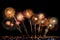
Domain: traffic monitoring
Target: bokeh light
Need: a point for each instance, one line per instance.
(8, 23)
(41, 16)
(34, 19)
(9, 12)
(12, 25)
(53, 20)
(37, 21)
(50, 26)
(17, 23)
(20, 16)
(44, 22)
(28, 13)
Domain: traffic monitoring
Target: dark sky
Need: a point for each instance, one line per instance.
(50, 8)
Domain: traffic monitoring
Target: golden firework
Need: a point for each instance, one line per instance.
(9, 12)
(28, 13)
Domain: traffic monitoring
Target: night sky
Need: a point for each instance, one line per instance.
(49, 8)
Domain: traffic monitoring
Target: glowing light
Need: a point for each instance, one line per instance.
(11, 24)
(53, 20)
(42, 21)
(35, 19)
(50, 26)
(8, 23)
(9, 12)
(17, 23)
(28, 13)
(41, 16)
(20, 17)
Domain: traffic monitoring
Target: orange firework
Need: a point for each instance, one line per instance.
(28, 13)
(20, 17)
(41, 16)
(9, 12)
